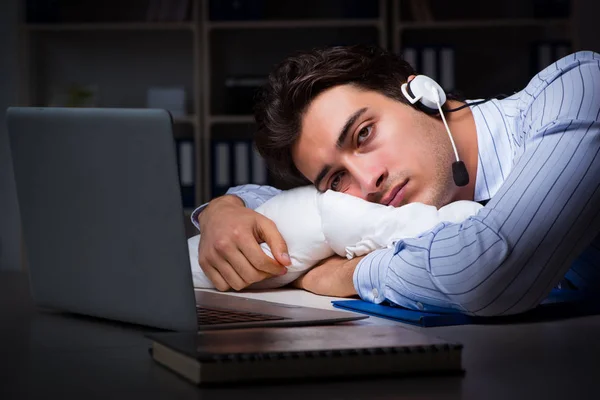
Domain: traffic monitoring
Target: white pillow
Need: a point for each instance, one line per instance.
(354, 227)
(316, 226)
(297, 218)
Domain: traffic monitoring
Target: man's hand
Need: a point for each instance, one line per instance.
(229, 252)
(331, 277)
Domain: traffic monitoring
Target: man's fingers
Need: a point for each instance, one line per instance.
(215, 277)
(230, 275)
(220, 272)
(267, 231)
(256, 256)
(245, 269)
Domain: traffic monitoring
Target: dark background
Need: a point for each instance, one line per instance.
(219, 53)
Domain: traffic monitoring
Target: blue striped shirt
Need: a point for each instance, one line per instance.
(539, 167)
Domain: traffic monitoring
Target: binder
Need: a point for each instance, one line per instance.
(259, 168)
(446, 68)
(220, 168)
(437, 62)
(429, 63)
(186, 171)
(233, 163)
(241, 165)
(410, 56)
(547, 52)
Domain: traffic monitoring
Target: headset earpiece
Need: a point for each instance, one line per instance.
(429, 96)
(421, 92)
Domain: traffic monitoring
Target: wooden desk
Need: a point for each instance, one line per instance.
(49, 355)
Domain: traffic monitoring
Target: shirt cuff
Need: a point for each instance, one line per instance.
(251, 195)
(370, 273)
(198, 210)
(373, 279)
(195, 214)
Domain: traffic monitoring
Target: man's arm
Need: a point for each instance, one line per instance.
(229, 251)
(331, 277)
(508, 257)
(251, 195)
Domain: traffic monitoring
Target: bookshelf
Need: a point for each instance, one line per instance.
(118, 48)
(293, 24)
(117, 26)
(492, 46)
(265, 36)
(219, 53)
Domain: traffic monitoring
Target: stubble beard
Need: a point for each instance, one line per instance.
(442, 189)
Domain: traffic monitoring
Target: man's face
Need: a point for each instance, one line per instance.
(373, 147)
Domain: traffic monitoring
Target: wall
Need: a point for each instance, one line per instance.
(9, 213)
(586, 28)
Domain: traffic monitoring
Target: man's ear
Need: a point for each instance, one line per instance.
(410, 78)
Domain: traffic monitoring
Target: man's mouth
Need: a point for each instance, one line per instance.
(395, 196)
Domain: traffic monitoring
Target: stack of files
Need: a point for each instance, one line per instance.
(235, 162)
(545, 53)
(304, 353)
(437, 62)
(186, 167)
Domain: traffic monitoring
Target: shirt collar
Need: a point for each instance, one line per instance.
(494, 126)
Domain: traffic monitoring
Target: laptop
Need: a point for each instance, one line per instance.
(103, 223)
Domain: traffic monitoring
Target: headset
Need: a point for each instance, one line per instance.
(429, 97)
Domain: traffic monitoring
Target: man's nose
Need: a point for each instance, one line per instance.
(370, 177)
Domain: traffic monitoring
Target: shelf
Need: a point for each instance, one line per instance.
(231, 119)
(312, 23)
(335, 23)
(186, 119)
(116, 26)
(201, 54)
(494, 23)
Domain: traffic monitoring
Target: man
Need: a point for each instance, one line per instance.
(336, 118)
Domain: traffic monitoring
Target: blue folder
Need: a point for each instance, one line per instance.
(560, 304)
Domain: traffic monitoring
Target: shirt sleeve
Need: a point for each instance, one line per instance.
(252, 195)
(508, 257)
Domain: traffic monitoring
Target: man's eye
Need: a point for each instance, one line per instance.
(363, 134)
(335, 182)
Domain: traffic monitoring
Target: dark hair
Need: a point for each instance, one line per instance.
(297, 80)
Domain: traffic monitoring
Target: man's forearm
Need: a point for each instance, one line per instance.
(331, 277)
(251, 195)
(346, 278)
(228, 199)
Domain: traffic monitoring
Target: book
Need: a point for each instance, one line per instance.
(235, 162)
(303, 353)
(437, 62)
(186, 169)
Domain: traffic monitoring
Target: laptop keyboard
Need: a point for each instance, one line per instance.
(210, 316)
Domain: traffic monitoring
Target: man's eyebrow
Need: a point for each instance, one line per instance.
(339, 144)
(320, 177)
(346, 129)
